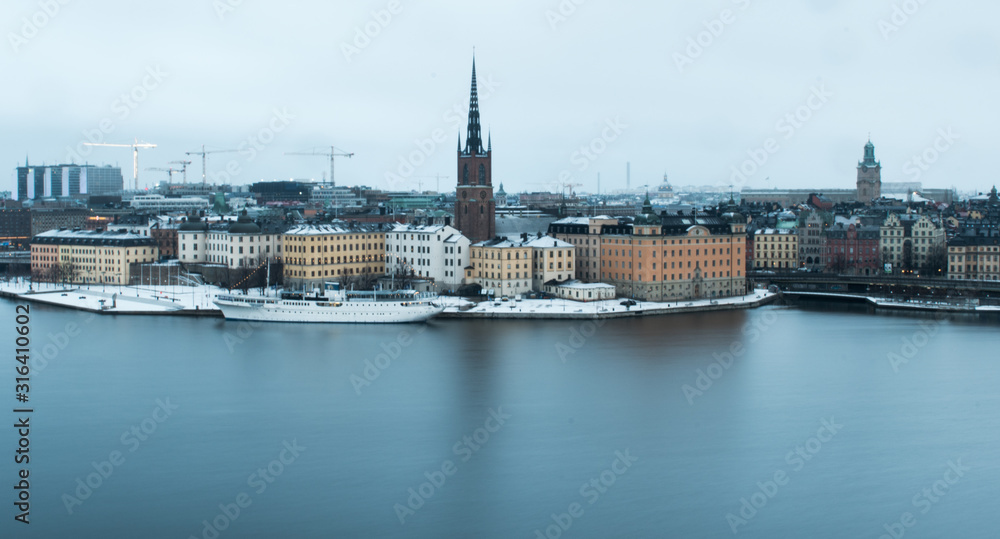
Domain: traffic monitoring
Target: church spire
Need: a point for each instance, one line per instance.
(474, 138)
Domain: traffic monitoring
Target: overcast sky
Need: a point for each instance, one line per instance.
(554, 78)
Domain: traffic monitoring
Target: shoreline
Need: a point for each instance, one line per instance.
(887, 304)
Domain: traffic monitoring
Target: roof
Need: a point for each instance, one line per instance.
(117, 237)
(339, 228)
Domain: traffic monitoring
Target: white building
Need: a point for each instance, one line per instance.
(435, 252)
(581, 291)
(551, 260)
(160, 203)
(242, 245)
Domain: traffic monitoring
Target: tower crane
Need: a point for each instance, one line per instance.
(437, 180)
(136, 146)
(332, 154)
(170, 171)
(184, 169)
(204, 159)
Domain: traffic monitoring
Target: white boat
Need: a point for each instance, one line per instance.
(332, 306)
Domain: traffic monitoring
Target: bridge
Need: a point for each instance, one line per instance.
(878, 285)
(15, 259)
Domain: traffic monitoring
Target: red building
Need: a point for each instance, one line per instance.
(852, 250)
(475, 208)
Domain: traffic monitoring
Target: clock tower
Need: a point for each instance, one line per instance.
(475, 207)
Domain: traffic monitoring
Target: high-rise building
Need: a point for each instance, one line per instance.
(475, 207)
(67, 181)
(869, 176)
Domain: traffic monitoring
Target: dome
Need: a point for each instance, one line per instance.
(193, 224)
(244, 225)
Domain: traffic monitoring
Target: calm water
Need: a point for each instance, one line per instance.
(242, 393)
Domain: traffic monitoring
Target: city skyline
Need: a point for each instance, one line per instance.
(365, 79)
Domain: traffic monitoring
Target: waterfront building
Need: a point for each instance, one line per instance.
(502, 265)
(580, 291)
(165, 234)
(776, 249)
(90, 256)
(242, 244)
(585, 235)
(974, 256)
(869, 176)
(475, 206)
(852, 249)
(67, 181)
(435, 252)
(673, 258)
(314, 254)
(552, 261)
(909, 241)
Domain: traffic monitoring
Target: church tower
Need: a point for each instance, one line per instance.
(869, 176)
(475, 207)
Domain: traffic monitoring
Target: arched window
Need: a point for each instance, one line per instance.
(482, 174)
(465, 175)
(480, 209)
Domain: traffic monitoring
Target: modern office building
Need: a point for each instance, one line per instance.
(67, 181)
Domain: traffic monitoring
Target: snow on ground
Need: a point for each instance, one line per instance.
(555, 306)
(129, 298)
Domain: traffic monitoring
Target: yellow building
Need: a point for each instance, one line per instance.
(503, 266)
(975, 258)
(90, 256)
(775, 249)
(585, 235)
(315, 254)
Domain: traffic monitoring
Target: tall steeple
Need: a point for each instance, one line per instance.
(474, 138)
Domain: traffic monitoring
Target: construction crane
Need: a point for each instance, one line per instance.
(437, 184)
(170, 171)
(204, 159)
(332, 154)
(136, 146)
(571, 186)
(184, 169)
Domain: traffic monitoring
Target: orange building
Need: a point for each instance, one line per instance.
(674, 258)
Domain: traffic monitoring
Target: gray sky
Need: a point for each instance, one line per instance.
(551, 83)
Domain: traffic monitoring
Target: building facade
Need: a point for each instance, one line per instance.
(674, 258)
(974, 257)
(68, 181)
(585, 235)
(852, 250)
(812, 227)
(502, 266)
(90, 256)
(475, 206)
(242, 244)
(314, 254)
(909, 241)
(776, 249)
(435, 252)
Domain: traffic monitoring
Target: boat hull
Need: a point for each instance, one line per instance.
(349, 312)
